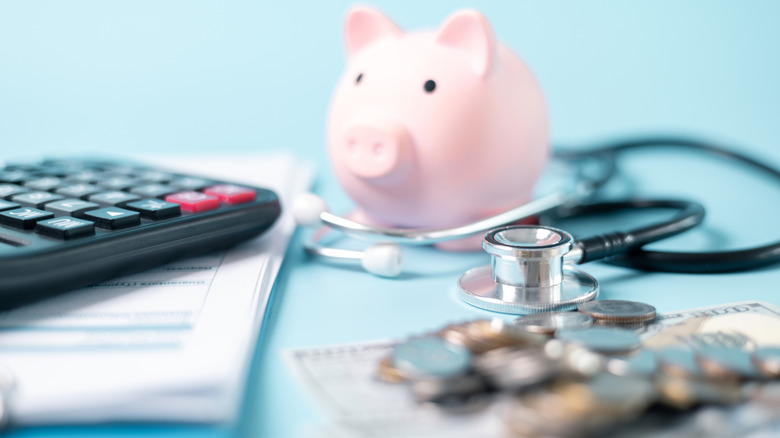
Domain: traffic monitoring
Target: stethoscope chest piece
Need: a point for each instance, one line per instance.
(527, 273)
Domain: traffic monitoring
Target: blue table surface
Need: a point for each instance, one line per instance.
(193, 77)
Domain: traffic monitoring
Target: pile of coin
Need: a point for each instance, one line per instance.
(574, 373)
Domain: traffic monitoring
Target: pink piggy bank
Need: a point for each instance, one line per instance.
(434, 129)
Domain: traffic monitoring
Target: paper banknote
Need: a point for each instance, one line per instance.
(343, 379)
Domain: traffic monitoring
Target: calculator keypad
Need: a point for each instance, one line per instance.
(5, 205)
(113, 218)
(193, 201)
(8, 190)
(155, 209)
(71, 199)
(65, 227)
(24, 218)
(70, 207)
(231, 194)
(114, 198)
(80, 190)
(36, 199)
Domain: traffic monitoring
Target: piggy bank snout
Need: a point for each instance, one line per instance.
(375, 152)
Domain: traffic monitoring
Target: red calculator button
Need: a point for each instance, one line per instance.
(193, 202)
(230, 194)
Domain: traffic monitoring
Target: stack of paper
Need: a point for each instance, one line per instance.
(170, 344)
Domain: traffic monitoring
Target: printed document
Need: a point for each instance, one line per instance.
(169, 344)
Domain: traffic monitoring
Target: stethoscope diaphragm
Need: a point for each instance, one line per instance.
(527, 273)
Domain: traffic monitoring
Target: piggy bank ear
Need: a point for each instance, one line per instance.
(365, 26)
(470, 33)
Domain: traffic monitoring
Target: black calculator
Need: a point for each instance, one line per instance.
(67, 223)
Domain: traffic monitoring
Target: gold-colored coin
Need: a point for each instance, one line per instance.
(726, 363)
(767, 360)
(618, 311)
(460, 335)
(685, 393)
(388, 373)
(679, 361)
(765, 393)
(501, 334)
(482, 336)
(616, 397)
(542, 413)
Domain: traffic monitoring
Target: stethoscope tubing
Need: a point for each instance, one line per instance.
(427, 237)
(619, 248)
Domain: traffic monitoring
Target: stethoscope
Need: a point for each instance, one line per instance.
(531, 267)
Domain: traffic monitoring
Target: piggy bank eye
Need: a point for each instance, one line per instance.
(429, 86)
(359, 78)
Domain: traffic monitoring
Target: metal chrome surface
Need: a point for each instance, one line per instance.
(549, 322)
(527, 256)
(619, 311)
(476, 287)
(431, 356)
(427, 237)
(601, 339)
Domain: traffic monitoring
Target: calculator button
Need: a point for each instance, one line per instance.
(155, 209)
(113, 217)
(116, 183)
(194, 202)
(5, 205)
(190, 183)
(45, 183)
(21, 166)
(9, 190)
(83, 176)
(65, 227)
(36, 199)
(113, 198)
(70, 207)
(15, 176)
(153, 176)
(120, 169)
(78, 190)
(53, 171)
(231, 194)
(153, 190)
(24, 217)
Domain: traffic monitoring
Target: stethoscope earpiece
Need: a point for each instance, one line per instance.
(527, 273)
(383, 259)
(530, 266)
(307, 208)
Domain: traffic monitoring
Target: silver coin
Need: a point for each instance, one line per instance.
(764, 392)
(515, 368)
(549, 322)
(684, 393)
(725, 362)
(4, 415)
(431, 357)
(623, 395)
(578, 360)
(767, 359)
(678, 361)
(623, 325)
(642, 363)
(601, 339)
(442, 390)
(7, 384)
(619, 311)
(542, 413)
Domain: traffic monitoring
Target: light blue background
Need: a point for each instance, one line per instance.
(189, 77)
